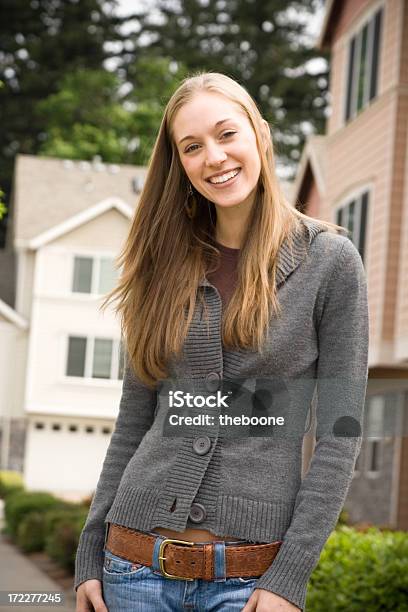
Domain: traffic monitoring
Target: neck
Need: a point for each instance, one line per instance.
(232, 224)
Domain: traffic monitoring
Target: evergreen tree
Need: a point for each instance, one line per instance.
(40, 40)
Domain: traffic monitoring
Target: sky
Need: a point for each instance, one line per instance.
(125, 7)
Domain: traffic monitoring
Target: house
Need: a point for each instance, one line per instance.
(13, 350)
(70, 220)
(356, 175)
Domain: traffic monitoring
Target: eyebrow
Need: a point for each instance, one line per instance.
(215, 126)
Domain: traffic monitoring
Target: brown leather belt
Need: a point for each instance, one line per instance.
(190, 560)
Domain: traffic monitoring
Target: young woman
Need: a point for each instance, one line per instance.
(233, 304)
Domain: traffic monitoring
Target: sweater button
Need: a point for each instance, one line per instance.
(197, 513)
(212, 381)
(202, 445)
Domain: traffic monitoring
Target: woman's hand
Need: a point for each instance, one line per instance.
(265, 601)
(89, 597)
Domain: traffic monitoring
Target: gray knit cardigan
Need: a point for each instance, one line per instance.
(249, 482)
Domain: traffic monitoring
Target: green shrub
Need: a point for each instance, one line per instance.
(343, 518)
(56, 515)
(9, 482)
(37, 526)
(62, 539)
(21, 503)
(31, 532)
(361, 571)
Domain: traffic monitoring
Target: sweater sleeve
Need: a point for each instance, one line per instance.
(136, 413)
(342, 371)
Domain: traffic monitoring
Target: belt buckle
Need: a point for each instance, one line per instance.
(162, 559)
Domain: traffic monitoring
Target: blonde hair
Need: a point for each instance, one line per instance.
(166, 253)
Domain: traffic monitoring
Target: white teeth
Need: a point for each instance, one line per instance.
(224, 177)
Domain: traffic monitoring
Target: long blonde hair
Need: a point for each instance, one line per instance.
(166, 253)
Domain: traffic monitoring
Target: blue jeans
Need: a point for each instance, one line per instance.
(132, 587)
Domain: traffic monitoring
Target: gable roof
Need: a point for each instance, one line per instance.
(49, 192)
(11, 315)
(76, 221)
(313, 156)
(332, 10)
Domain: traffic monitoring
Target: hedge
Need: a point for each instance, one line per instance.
(20, 503)
(9, 482)
(62, 539)
(361, 571)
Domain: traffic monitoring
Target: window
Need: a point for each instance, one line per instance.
(107, 275)
(94, 275)
(94, 358)
(82, 275)
(102, 358)
(353, 216)
(76, 356)
(363, 63)
(374, 431)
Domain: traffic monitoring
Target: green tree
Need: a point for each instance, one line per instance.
(91, 114)
(39, 41)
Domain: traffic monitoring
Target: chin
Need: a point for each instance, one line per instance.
(233, 201)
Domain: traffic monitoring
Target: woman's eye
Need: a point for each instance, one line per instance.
(230, 133)
(190, 148)
(224, 135)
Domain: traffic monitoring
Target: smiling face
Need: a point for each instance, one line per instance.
(218, 149)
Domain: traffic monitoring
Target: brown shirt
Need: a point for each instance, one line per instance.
(225, 277)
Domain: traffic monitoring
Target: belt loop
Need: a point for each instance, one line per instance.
(219, 562)
(155, 560)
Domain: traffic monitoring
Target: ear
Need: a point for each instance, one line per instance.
(266, 134)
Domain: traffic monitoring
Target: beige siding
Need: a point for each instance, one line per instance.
(357, 158)
(107, 231)
(370, 151)
(353, 15)
(401, 331)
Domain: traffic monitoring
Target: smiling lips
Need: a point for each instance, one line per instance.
(224, 178)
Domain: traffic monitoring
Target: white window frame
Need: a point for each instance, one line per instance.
(89, 352)
(356, 32)
(96, 273)
(357, 196)
(369, 446)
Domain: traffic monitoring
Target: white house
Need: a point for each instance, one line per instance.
(70, 222)
(13, 349)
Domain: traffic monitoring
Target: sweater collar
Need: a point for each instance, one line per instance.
(289, 260)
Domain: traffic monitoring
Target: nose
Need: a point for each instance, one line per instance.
(215, 156)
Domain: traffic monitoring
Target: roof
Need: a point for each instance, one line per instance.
(11, 315)
(332, 9)
(314, 156)
(52, 193)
